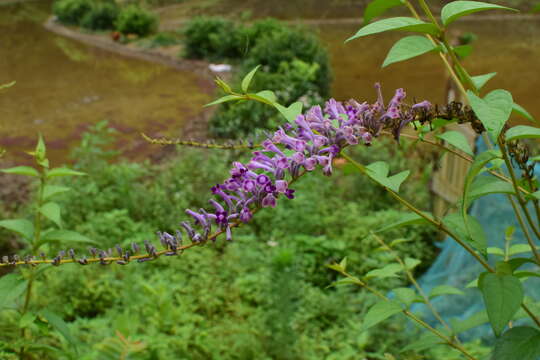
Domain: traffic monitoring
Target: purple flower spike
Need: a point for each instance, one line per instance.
(248, 185)
(289, 193)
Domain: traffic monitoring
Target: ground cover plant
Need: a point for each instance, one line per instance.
(319, 140)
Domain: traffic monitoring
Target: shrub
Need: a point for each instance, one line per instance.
(273, 49)
(135, 20)
(213, 38)
(101, 17)
(71, 12)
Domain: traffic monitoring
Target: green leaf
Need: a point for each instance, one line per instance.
(378, 171)
(224, 99)
(51, 211)
(12, 286)
(26, 320)
(41, 150)
(21, 170)
(290, 113)
(522, 132)
(502, 295)
(268, 96)
(406, 218)
(387, 271)
(522, 112)
(58, 324)
(485, 185)
(536, 195)
(444, 290)
(427, 341)
(378, 7)
(463, 50)
(481, 80)
(396, 24)
(476, 237)
(380, 312)
(411, 263)
(473, 321)
(457, 9)
(521, 342)
(52, 190)
(519, 249)
(22, 227)
(408, 48)
(247, 79)
(58, 172)
(66, 236)
(405, 295)
(477, 166)
(493, 110)
(223, 85)
(458, 140)
(516, 263)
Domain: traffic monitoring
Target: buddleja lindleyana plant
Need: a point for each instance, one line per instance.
(310, 141)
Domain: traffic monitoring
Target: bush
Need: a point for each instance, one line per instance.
(273, 49)
(71, 12)
(213, 38)
(101, 17)
(135, 20)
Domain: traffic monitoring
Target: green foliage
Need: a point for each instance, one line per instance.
(71, 12)
(213, 38)
(102, 16)
(408, 48)
(136, 20)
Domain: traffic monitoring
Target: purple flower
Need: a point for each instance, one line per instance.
(269, 201)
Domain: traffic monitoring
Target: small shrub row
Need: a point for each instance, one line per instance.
(106, 15)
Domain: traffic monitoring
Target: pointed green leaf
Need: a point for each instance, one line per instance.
(535, 195)
(427, 341)
(471, 322)
(411, 263)
(223, 99)
(12, 286)
(58, 172)
(522, 112)
(493, 110)
(380, 312)
(223, 85)
(378, 171)
(268, 96)
(457, 9)
(26, 320)
(476, 237)
(502, 295)
(396, 24)
(66, 236)
(521, 342)
(405, 295)
(51, 211)
(378, 7)
(444, 290)
(458, 140)
(247, 79)
(22, 227)
(481, 80)
(522, 132)
(21, 170)
(389, 270)
(408, 48)
(52, 190)
(59, 325)
(290, 113)
(463, 51)
(516, 263)
(41, 150)
(485, 185)
(406, 218)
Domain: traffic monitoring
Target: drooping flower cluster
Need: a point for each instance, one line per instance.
(312, 141)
